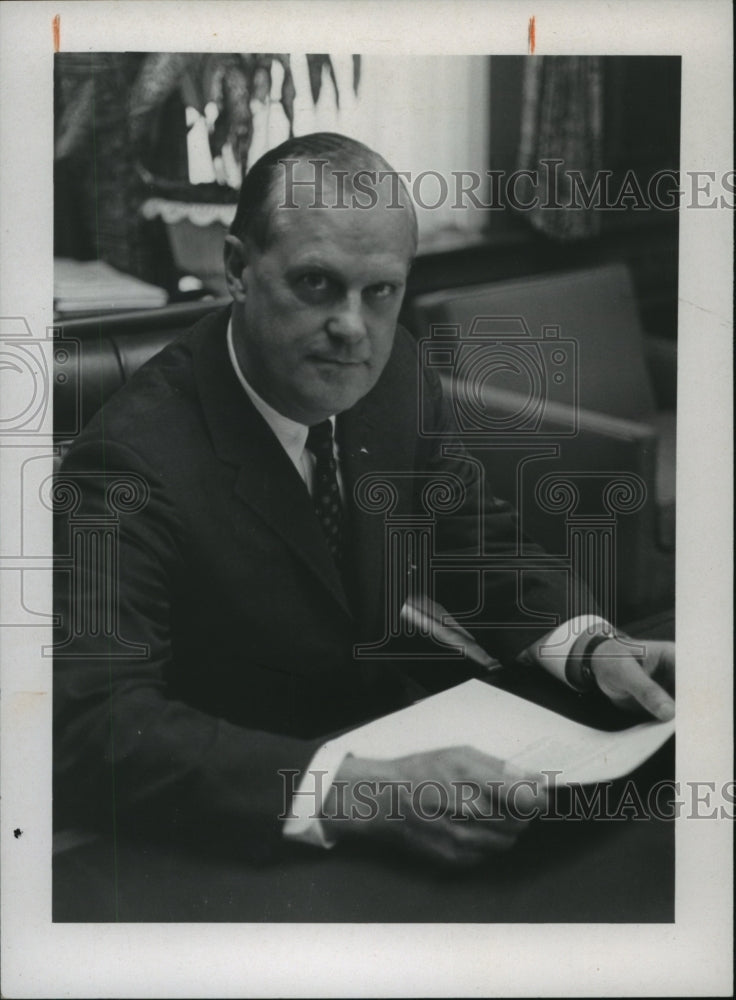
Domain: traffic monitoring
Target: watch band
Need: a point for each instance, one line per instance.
(578, 669)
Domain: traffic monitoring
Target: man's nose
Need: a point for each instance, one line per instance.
(348, 322)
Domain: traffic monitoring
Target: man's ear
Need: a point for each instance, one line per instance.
(235, 264)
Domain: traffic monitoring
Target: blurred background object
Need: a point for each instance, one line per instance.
(165, 137)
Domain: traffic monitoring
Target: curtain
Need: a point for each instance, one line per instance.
(562, 119)
(95, 194)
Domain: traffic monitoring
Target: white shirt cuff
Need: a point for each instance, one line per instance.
(553, 649)
(305, 809)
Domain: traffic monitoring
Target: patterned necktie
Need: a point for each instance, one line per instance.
(326, 492)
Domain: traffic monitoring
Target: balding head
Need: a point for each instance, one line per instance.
(323, 169)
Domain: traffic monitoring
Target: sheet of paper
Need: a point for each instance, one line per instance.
(524, 735)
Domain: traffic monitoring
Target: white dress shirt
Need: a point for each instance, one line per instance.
(291, 436)
(550, 652)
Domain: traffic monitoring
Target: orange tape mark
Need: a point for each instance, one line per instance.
(56, 32)
(532, 34)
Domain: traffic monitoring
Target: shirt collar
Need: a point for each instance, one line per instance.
(291, 435)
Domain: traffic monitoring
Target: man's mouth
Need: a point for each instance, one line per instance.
(338, 362)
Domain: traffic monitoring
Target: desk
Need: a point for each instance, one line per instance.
(563, 870)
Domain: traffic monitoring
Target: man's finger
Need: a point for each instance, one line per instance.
(468, 844)
(633, 681)
(663, 656)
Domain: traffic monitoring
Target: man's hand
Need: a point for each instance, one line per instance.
(649, 685)
(455, 806)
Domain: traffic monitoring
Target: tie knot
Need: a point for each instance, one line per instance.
(319, 438)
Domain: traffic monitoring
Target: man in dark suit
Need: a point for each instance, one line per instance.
(251, 568)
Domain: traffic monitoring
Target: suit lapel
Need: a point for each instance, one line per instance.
(377, 439)
(266, 479)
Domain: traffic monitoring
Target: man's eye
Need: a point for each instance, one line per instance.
(315, 282)
(383, 290)
(315, 286)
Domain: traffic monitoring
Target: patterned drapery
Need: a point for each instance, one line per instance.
(562, 120)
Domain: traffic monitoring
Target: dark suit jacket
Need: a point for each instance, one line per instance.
(225, 583)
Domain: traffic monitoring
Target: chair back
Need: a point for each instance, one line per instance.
(94, 357)
(594, 308)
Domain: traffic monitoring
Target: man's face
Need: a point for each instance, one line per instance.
(320, 304)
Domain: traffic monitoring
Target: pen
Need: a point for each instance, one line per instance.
(429, 620)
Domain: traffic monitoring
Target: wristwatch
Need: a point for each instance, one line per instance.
(578, 668)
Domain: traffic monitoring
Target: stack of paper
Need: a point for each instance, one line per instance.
(93, 286)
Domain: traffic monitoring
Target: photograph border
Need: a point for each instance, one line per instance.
(691, 957)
